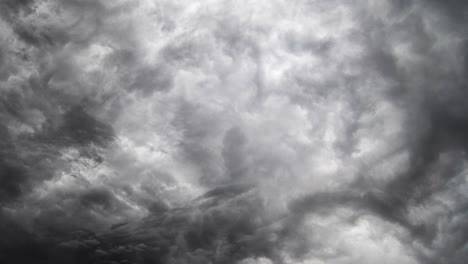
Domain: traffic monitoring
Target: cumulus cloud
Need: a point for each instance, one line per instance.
(157, 131)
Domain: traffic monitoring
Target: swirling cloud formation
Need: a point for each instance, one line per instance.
(244, 132)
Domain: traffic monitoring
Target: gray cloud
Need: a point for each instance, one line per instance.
(233, 132)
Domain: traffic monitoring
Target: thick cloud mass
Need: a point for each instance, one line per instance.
(244, 132)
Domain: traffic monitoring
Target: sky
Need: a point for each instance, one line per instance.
(243, 132)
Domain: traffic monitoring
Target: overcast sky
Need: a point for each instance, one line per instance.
(233, 131)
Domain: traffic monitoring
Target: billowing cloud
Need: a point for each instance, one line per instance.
(241, 132)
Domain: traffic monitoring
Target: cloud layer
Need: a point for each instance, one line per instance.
(157, 131)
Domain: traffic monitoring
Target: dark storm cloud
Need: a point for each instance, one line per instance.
(16, 242)
(12, 172)
(97, 198)
(19, 170)
(78, 127)
(427, 175)
(221, 232)
(250, 133)
(455, 9)
(25, 160)
(443, 131)
(16, 5)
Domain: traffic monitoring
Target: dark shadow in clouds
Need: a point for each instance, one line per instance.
(13, 179)
(14, 6)
(152, 79)
(19, 245)
(26, 160)
(234, 145)
(98, 198)
(225, 231)
(12, 172)
(79, 127)
(455, 9)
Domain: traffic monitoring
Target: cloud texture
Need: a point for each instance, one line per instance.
(246, 132)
